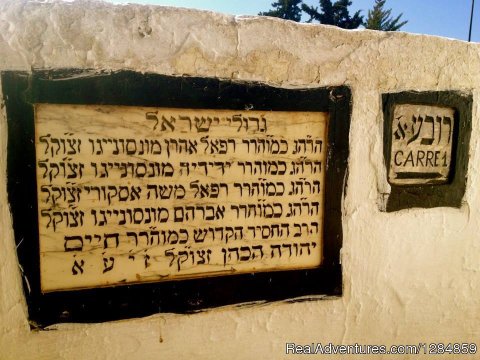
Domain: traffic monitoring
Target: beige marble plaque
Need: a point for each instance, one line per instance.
(421, 150)
(135, 194)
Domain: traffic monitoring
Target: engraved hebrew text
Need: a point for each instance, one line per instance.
(422, 138)
(137, 194)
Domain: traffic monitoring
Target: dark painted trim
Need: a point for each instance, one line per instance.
(432, 195)
(23, 90)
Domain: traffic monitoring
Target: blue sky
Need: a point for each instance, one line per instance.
(449, 18)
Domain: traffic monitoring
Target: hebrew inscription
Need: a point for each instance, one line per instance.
(421, 144)
(132, 194)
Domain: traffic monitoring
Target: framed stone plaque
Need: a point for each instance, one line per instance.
(426, 148)
(133, 193)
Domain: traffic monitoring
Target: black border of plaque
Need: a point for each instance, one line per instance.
(71, 86)
(451, 193)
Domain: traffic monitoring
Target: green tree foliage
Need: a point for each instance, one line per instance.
(285, 9)
(334, 14)
(380, 19)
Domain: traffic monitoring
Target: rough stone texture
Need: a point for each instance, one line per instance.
(410, 276)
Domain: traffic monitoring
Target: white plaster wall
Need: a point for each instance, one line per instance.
(410, 276)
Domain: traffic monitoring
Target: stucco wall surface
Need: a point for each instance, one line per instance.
(409, 276)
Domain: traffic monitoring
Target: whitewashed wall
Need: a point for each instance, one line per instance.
(410, 276)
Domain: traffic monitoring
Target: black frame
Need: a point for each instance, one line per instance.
(449, 194)
(72, 86)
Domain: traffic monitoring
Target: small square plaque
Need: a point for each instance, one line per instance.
(421, 144)
(426, 143)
